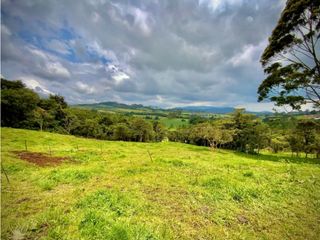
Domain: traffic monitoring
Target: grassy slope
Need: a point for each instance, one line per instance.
(115, 191)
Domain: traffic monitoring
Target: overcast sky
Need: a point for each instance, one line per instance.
(157, 52)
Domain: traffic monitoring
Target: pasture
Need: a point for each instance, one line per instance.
(64, 187)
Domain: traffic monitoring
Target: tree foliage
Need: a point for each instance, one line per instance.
(17, 103)
(291, 60)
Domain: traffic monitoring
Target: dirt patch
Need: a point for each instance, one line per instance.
(41, 159)
(242, 219)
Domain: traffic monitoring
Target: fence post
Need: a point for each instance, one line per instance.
(4, 171)
(150, 156)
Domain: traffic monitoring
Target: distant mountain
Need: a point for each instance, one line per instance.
(195, 109)
(208, 109)
(113, 105)
(217, 110)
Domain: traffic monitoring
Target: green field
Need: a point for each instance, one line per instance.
(173, 123)
(115, 190)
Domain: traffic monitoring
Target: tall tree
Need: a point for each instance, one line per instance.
(17, 104)
(159, 131)
(142, 130)
(291, 60)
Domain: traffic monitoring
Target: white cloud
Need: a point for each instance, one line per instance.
(159, 98)
(120, 76)
(142, 20)
(249, 53)
(249, 19)
(58, 46)
(96, 17)
(37, 53)
(102, 52)
(35, 85)
(269, 106)
(219, 5)
(112, 68)
(5, 30)
(57, 70)
(85, 88)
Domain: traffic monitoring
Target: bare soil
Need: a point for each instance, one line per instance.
(40, 159)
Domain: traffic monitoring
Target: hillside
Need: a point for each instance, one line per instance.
(208, 109)
(90, 189)
(121, 107)
(114, 105)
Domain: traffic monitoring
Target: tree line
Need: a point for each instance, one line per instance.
(23, 108)
(248, 133)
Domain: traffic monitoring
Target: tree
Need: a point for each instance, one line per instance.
(17, 104)
(205, 134)
(209, 134)
(295, 142)
(278, 143)
(257, 137)
(242, 123)
(305, 137)
(308, 131)
(91, 128)
(42, 117)
(159, 130)
(250, 134)
(54, 106)
(70, 122)
(121, 132)
(142, 130)
(290, 60)
(195, 119)
(316, 146)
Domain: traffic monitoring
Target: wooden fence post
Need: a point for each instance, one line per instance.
(49, 149)
(150, 156)
(4, 171)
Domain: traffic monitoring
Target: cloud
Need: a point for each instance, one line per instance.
(249, 54)
(152, 52)
(57, 70)
(84, 88)
(58, 46)
(220, 5)
(120, 76)
(133, 18)
(36, 86)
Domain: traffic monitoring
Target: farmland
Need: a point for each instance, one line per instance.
(94, 189)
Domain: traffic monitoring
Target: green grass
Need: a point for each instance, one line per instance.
(113, 190)
(174, 123)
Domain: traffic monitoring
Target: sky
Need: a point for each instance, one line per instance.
(158, 52)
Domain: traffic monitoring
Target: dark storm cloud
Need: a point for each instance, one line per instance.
(153, 52)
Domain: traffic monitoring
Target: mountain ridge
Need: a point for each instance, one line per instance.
(195, 109)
